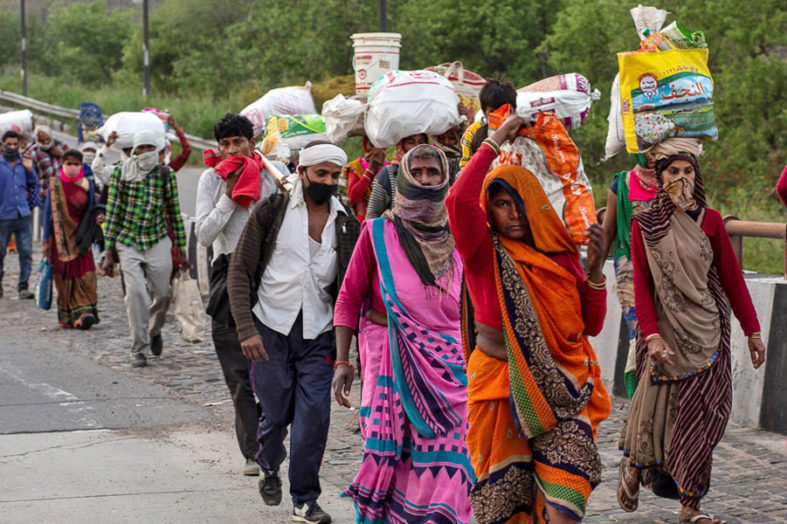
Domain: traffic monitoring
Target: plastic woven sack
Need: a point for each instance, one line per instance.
(343, 117)
(568, 96)
(666, 94)
(127, 123)
(19, 121)
(547, 151)
(616, 137)
(294, 100)
(43, 286)
(468, 85)
(298, 130)
(406, 103)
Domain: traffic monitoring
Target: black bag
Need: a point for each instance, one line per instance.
(218, 300)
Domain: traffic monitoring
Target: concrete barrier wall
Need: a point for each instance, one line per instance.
(759, 396)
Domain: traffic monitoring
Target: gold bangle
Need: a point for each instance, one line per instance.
(494, 145)
(654, 336)
(756, 334)
(597, 285)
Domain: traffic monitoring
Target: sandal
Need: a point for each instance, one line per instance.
(628, 488)
(694, 518)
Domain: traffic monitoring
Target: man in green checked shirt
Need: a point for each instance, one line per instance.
(142, 209)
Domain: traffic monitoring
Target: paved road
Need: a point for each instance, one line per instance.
(83, 434)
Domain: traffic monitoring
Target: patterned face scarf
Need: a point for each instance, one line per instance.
(681, 192)
(656, 221)
(421, 220)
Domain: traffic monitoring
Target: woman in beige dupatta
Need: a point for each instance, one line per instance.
(685, 271)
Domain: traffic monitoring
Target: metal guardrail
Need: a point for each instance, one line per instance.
(738, 229)
(50, 109)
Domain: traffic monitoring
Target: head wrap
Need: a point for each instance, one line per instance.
(138, 166)
(550, 234)
(320, 153)
(147, 137)
(399, 153)
(674, 146)
(46, 130)
(453, 150)
(421, 219)
(655, 222)
(88, 145)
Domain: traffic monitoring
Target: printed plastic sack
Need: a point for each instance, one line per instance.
(406, 103)
(568, 96)
(616, 137)
(666, 94)
(467, 84)
(43, 287)
(19, 121)
(272, 146)
(343, 117)
(547, 151)
(298, 130)
(188, 307)
(295, 100)
(127, 123)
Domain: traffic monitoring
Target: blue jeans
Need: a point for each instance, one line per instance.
(22, 228)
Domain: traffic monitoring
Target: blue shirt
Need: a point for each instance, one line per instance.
(15, 184)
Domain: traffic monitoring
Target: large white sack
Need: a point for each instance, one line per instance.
(19, 121)
(616, 139)
(127, 123)
(295, 100)
(343, 116)
(567, 96)
(406, 103)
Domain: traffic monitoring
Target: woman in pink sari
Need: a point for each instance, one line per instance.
(404, 284)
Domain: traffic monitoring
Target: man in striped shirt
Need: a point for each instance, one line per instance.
(143, 220)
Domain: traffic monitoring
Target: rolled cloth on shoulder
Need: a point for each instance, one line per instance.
(149, 138)
(320, 153)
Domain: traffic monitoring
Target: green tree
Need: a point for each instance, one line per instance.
(490, 38)
(85, 41)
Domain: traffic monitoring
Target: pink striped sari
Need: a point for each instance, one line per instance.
(416, 466)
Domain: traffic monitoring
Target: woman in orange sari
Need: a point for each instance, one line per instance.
(535, 393)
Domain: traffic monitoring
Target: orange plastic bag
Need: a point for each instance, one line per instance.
(547, 151)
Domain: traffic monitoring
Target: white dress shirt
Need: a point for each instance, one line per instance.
(294, 280)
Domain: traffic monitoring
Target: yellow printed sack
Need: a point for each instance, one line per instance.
(665, 94)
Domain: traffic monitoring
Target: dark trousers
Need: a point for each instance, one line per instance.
(22, 228)
(236, 370)
(294, 387)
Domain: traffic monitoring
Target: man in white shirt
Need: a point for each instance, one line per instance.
(219, 223)
(283, 280)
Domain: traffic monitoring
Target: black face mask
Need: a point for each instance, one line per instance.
(320, 193)
(10, 153)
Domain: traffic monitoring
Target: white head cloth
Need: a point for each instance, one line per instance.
(42, 129)
(319, 153)
(88, 145)
(149, 138)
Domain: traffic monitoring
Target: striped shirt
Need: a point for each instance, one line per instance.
(138, 212)
(467, 142)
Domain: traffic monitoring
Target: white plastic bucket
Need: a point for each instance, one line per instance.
(375, 55)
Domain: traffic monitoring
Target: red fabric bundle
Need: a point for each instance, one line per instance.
(248, 188)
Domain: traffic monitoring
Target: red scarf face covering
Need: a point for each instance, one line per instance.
(248, 188)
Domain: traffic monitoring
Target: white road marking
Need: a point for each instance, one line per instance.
(71, 403)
